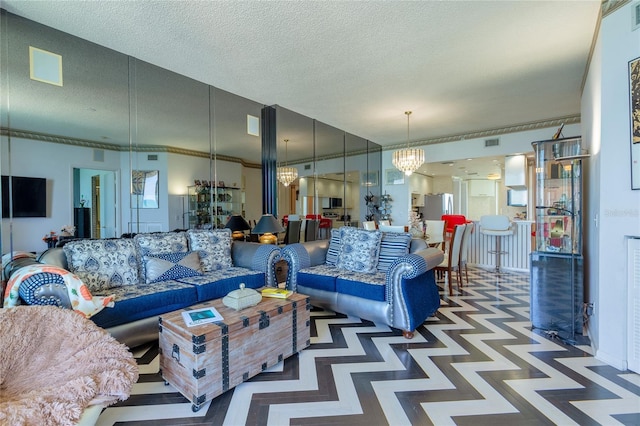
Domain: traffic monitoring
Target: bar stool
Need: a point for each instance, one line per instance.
(497, 226)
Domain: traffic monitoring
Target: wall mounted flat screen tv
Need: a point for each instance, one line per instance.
(29, 196)
(335, 202)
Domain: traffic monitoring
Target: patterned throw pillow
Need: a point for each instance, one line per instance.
(334, 248)
(392, 246)
(159, 243)
(359, 249)
(103, 264)
(214, 248)
(171, 266)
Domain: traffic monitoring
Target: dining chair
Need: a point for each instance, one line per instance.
(464, 250)
(292, 233)
(369, 225)
(392, 228)
(451, 262)
(311, 230)
(435, 233)
(324, 227)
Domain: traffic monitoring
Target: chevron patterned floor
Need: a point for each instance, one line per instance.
(476, 362)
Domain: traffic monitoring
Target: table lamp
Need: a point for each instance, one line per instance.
(267, 226)
(237, 224)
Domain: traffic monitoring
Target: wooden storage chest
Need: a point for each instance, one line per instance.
(206, 360)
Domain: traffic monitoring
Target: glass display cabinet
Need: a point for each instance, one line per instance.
(210, 207)
(556, 263)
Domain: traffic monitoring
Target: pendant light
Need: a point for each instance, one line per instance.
(286, 175)
(408, 160)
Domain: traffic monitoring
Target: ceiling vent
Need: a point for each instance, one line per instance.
(635, 16)
(307, 166)
(491, 142)
(152, 157)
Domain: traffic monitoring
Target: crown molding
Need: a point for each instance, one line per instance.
(609, 6)
(85, 143)
(555, 122)
(534, 125)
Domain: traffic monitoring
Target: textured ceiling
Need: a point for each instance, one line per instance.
(460, 66)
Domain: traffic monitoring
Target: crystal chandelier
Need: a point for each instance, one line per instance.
(286, 175)
(408, 160)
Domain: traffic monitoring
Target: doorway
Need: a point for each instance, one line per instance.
(95, 203)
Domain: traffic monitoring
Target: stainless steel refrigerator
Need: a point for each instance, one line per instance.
(435, 205)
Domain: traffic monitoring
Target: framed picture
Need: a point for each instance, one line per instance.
(634, 99)
(144, 189)
(394, 177)
(369, 178)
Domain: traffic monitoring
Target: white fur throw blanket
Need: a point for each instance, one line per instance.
(54, 363)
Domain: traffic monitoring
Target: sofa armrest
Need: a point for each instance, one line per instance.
(403, 275)
(36, 287)
(432, 257)
(303, 255)
(54, 256)
(257, 257)
(48, 293)
(414, 264)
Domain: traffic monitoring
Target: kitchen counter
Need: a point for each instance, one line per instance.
(517, 246)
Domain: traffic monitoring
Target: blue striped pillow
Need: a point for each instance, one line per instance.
(334, 248)
(392, 246)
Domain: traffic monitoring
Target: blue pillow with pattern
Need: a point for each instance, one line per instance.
(359, 249)
(159, 243)
(392, 246)
(171, 266)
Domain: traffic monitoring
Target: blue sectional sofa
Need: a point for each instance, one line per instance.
(382, 277)
(152, 274)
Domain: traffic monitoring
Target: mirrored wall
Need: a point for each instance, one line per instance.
(124, 146)
(338, 173)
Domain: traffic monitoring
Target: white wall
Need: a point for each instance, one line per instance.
(55, 162)
(512, 143)
(613, 208)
